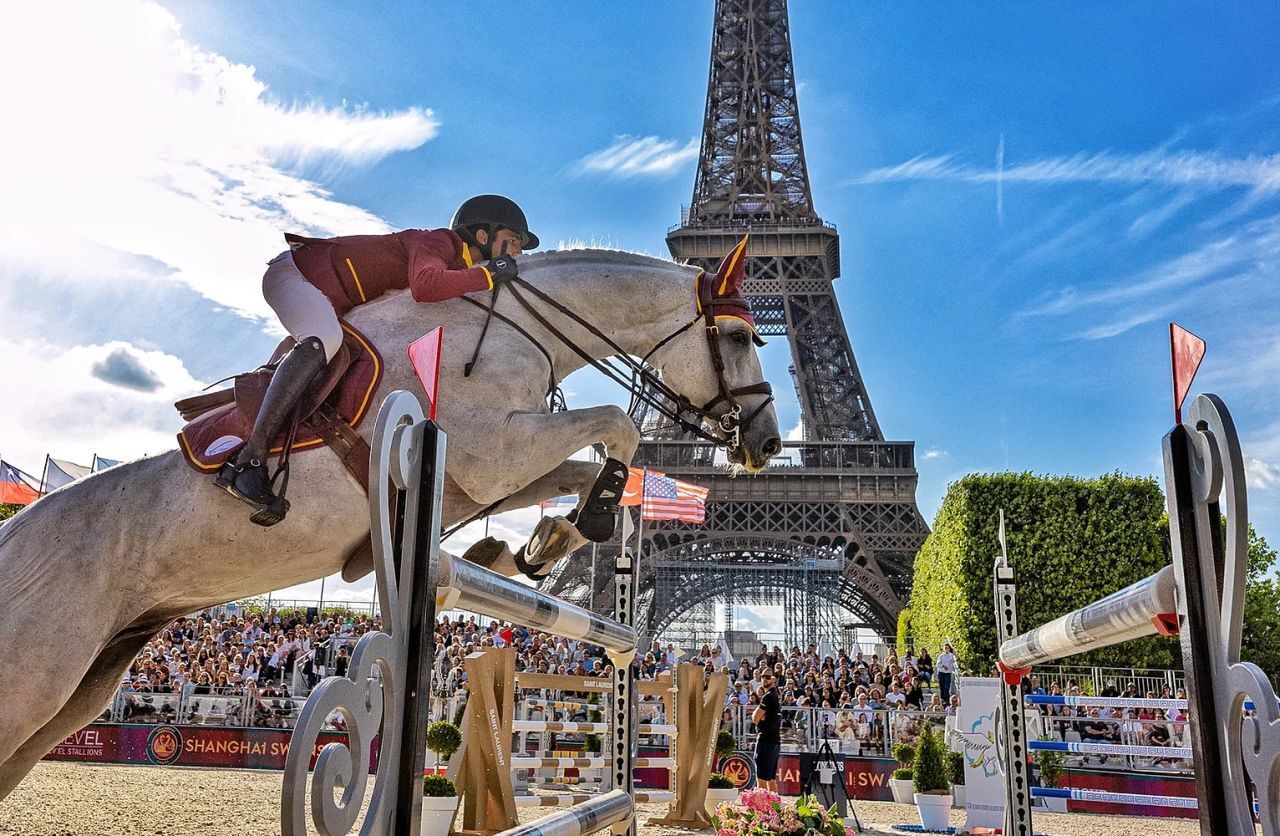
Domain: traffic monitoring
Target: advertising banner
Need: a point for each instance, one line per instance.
(166, 745)
(864, 778)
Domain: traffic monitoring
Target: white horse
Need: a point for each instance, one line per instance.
(90, 572)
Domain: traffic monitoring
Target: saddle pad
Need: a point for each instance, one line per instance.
(212, 438)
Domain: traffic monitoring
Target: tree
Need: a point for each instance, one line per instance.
(1260, 643)
(7, 511)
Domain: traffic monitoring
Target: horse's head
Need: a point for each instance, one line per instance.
(716, 367)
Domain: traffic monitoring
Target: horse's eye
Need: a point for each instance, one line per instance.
(739, 337)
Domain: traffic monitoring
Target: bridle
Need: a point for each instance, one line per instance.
(644, 382)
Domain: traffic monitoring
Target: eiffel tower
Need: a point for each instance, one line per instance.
(829, 530)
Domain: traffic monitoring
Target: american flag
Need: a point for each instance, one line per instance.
(670, 499)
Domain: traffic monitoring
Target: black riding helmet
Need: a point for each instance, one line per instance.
(491, 211)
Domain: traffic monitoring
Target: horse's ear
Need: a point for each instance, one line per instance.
(733, 271)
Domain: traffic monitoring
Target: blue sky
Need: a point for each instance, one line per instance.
(1026, 195)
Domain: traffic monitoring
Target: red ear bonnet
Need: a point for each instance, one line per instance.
(724, 294)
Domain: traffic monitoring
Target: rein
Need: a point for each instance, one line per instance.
(730, 424)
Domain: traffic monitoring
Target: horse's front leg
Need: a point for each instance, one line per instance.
(554, 438)
(596, 516)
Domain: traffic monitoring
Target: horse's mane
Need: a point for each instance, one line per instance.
(553, 258)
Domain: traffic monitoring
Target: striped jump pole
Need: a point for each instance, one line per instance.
(566, 800)
(1146, 608)
(1118, 749)
(1104, 702)
(588, 815)
(586, 763)
(570, 727)
(1112, 702)
(464, 585)
(1104, 797)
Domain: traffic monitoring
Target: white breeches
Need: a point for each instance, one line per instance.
(303, 310)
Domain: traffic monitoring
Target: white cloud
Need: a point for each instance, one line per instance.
(138, 143)
(1236, 265)
(933, 453)
(68, 411)
(647, 156)
(1188, 168)
(1260, 474)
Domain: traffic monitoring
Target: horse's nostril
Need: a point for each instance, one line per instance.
(772, 447)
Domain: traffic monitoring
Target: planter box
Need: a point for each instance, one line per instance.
(903, 790)
(957, 795)
(437, 815)
(717, 797)
(935, 811)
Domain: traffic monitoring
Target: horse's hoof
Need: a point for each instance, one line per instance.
(552, 539)
(485, 552)
(534, 572)
(598, 517)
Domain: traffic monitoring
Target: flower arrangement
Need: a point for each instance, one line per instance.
(764, 813)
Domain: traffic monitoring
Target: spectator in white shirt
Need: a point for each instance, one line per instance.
(945, 669)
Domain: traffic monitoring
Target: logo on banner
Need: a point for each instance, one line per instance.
(164, 745)
(740, 769)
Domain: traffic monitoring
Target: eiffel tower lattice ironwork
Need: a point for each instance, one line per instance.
(833, 525)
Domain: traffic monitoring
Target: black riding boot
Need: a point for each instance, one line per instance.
(246, 476)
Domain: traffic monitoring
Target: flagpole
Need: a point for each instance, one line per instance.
(44, 476)
(644, 473)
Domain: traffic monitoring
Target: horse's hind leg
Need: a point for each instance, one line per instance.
(84, 706)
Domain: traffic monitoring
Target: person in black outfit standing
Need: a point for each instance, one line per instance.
(768, 719)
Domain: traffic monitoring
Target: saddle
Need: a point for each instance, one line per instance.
(219, 422)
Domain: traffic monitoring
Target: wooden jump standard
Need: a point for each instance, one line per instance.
(492, 686)
(1200, 598)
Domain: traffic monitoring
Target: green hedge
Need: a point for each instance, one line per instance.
(1072, 541)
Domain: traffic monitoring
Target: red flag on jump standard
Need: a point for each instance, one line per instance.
(14, 490)
(424, 356)
(670, 499)
(1187, 351)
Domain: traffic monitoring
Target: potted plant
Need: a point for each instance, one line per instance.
(900, 783)
(443, 739)
(719, 790)
(955, 771)
(1050, 765)
(932, 789)
(439, 804)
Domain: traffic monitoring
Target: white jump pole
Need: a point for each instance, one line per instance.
(1145, 608)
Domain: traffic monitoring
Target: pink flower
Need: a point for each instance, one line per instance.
(762, 801)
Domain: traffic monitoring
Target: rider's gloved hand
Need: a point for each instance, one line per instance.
(502, 268)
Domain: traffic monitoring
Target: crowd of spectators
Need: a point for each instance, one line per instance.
(241, 669)
(840, 696)
(250, 668)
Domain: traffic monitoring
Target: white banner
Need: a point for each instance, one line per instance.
(975, 731)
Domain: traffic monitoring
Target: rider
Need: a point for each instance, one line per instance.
(317, 280)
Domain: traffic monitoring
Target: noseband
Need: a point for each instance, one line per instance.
(730, 423)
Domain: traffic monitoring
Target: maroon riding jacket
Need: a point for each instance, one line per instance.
(434, 264)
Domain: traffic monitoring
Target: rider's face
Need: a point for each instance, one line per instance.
(501, 238)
